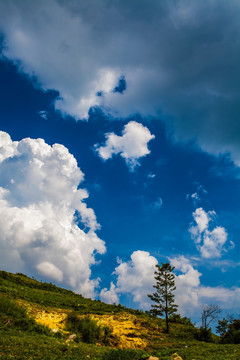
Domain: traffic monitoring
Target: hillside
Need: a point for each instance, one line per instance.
(41, 321)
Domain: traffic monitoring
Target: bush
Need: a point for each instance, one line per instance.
(232, 336)
(106, 335)
(177, 318)
(10, 309)
(88, 328)
(203, 334)
(13, 315)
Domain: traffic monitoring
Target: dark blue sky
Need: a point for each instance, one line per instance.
(178, 200)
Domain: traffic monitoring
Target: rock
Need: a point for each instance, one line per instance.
(176, 357)
(71, 337)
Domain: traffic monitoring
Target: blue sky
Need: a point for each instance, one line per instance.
(143, 99)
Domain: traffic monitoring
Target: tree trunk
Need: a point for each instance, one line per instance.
(167, 326)
(166, 310)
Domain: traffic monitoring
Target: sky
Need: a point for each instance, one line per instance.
(120, 147)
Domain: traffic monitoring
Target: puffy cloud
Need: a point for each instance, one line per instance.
(172, 55)
(50, 270)
(134, 278)
(7, 147)
(187, 285)
(210, 243)
(191, 295)
(227, 298)
(109, 296)
(42, 210)
(131, 146)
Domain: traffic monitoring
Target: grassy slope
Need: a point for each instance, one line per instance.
(49, 305)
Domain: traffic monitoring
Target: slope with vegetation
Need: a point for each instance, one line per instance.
(41, 321)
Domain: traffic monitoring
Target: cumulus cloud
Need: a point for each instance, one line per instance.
(178, 58)
(226, 298)
(187, 285)
(50, 271)
(132, 145)
(135, 278)
(109, 296)
(43, 213)
(191, 295)
(210, 243)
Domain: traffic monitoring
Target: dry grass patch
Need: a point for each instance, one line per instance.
(53, 318)
(127, 332)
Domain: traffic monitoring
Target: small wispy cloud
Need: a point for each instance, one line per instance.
(43, 114)
(157, 204)
(198, 196)
(151, 175)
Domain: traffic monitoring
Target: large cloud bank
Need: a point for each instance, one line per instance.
(179, 58)
(45, 226)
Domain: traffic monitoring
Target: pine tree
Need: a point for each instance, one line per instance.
(163, 296)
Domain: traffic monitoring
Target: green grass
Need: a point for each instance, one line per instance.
(22, 338)
(20, 345)
(22, 287)
(15, 317)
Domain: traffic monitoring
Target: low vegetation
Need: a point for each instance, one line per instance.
(41, 321)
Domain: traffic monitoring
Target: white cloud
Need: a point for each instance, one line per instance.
(187, 285)
(109, 296)
(7, 147)
(157, 204)
(167, 52)
(210, 243)
(39, 205)
(151, 175)
(50, 271)
(135, 278)
(131, 146)
(227, 298)
(43, 114)
(191, 295)
(197, 197)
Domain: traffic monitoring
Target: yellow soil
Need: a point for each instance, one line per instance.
(53, 318)
(126, 330)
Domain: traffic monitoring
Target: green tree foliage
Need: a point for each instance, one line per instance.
(163, 297)
(203, 334)
(229, 331)
(222, 327)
